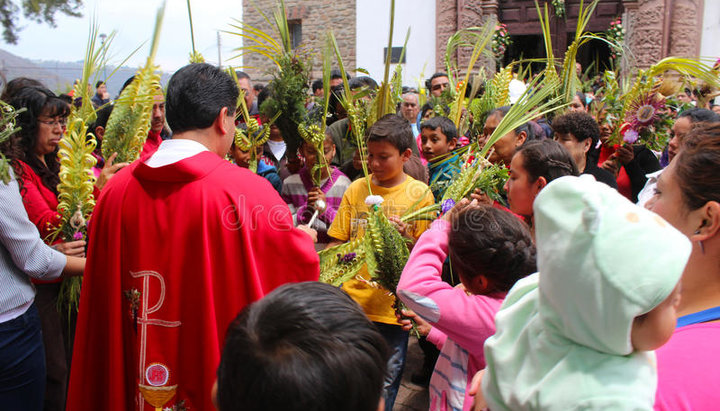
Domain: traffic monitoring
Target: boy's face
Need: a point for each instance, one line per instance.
(385, 161)
(435, 143)
(653, 329)
(310, 154)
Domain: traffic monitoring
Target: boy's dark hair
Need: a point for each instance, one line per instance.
(492, 242)
(425, 108)
(99, 83)
(393, 129)
(447, 127)
(700, 115)
(580, 124)
(305, 346)
(317, 85)
(195, 95)
(546, 158)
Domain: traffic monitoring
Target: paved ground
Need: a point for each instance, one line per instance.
(412, 397)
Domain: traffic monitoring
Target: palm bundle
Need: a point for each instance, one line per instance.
(195, 56)
(253, 135)
(128, 125)
(8, 114)
(642, 106)
(289, 84)
(77, 181)
(497, 94)
(476, 171)
(314, 134)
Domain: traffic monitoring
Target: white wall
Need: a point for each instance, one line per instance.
(710, 46)
(373, 27)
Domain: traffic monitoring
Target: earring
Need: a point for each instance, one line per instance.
(702, 248)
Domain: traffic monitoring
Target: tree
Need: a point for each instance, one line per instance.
(40, 11)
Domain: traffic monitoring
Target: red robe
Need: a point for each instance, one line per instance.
(175, 253)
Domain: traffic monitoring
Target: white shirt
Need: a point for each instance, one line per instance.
(277, 148)
(174, 150)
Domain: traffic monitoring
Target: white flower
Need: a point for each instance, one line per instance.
(372, 200)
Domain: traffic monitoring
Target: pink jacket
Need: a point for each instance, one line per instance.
(461, 322)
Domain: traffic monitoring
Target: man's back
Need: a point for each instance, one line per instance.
(175, 253)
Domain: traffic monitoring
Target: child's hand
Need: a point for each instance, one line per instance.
(462, 204)
(401, 227)
(408, 316)
(479, 403)
(481, 197)
(309, 231)
(314, 195)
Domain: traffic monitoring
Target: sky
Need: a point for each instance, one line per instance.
(133, 20)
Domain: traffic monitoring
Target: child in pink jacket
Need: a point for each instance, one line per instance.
(489, 249)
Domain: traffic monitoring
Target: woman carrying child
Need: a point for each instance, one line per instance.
(490, 249)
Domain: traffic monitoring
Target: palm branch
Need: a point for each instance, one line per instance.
(129, 123)
(8, 114)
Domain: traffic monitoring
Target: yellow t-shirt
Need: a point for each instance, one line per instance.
(350, 222)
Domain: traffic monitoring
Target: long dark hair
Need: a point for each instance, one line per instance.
(38, 101)
(546, 158)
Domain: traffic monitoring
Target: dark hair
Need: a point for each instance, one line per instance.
(363, 81)
(258, 87)
(580, 124)
(700, 115)
(546, 158)
(99, 83)
(393, 129)
(195, 95)
(317, 85)
(305, 346)
(425, 108)
(336, 74)
(492, 242)
(13, 86)
(100, 121)
(38, 101)
(428, 82)
(241, 75)
(697, 166)
(125, 84)
(263, 95)
(447, 127)
(502, 111)
(580, 95)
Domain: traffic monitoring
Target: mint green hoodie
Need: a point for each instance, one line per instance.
(563, 334)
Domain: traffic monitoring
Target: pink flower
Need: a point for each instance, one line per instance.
(630, 136)
(78, 236)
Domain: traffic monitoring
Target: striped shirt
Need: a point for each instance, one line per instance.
(295, 194)
(22, 254)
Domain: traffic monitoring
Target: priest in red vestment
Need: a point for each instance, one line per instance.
(179, 243)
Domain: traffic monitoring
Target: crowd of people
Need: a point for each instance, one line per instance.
(200, 276)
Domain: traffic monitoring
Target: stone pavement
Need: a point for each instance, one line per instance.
(412, 397)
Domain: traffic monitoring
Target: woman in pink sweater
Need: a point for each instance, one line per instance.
(490, 249)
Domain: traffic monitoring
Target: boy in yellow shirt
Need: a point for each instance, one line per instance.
(388, 147)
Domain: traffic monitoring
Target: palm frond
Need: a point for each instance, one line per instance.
(481, 41)
(129, 123)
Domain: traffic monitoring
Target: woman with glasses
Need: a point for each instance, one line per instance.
(42, 126)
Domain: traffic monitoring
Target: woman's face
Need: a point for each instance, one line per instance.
(521, 192)
(668, 203)
(49, 131)
(577, 105)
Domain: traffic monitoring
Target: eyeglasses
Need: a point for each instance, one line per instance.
(52, 123)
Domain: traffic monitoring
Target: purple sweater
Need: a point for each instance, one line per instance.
(460, 322)
(295, 193)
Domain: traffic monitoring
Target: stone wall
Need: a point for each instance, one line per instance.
(453, 15)
(317, 18)
(654, 31)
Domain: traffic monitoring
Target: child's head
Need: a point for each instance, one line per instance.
(533, 166)
(242, 157)
(388, 145)
(609, 270)
(305, 346)
(309, 153)
(490, 249)
(438, 136)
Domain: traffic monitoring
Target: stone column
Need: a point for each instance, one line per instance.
(643, 22)
(685, 28)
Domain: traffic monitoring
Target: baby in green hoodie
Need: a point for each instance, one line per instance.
(579, 333)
